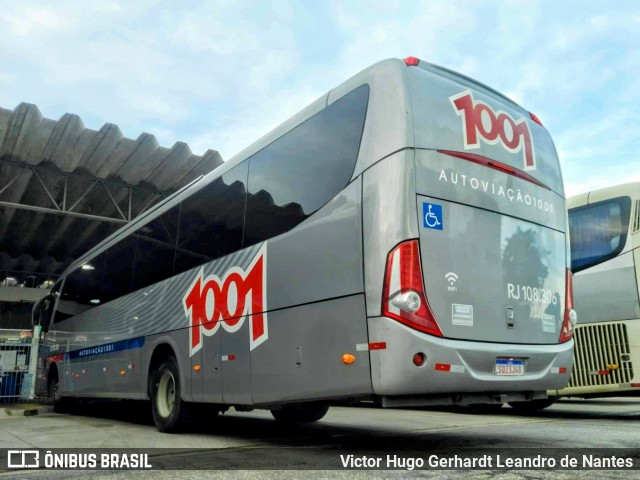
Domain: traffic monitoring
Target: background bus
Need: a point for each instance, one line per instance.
(605, 254)
(401, 240)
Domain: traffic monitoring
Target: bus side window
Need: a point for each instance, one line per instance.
(212, 220)
(155, 249)
(84, 234)
(301, 171)
(82, 289)
(116, 280)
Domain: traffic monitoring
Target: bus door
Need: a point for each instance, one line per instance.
(219, 334)
(207, 385)
(219, 339)
(235, 362)
(203, 337)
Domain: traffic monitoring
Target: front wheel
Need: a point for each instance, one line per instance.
(300, 413)
(170, 413)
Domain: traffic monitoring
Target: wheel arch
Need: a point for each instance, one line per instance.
(162, 348)
(52, 369)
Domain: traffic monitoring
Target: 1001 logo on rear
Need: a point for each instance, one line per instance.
(480, 121)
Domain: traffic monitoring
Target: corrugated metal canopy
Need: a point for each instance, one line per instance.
(64, 187)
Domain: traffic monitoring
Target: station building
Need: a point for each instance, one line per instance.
(64, 188)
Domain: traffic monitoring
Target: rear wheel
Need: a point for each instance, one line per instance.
(170, 413)
(532, 405)
(53, 390)
(300, 413)
(52, 387)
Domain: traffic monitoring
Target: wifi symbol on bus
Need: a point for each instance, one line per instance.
(452, 278)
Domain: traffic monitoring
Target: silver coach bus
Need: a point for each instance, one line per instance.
(605, 255)
(401, 240)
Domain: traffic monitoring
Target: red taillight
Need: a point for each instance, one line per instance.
(535, 119)
(567, 325)
(403, 297)
(411, 61)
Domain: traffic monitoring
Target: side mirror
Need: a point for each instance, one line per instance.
(35, 313)
(41, 313)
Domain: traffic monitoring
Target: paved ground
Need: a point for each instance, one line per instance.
(254, 440)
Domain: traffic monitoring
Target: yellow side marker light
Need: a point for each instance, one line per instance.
(613, 366)
(196, 368)
(348, 359)
(123, 372)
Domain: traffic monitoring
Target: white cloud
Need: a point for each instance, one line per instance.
(209, 33)
(32, 20)
(601, 152)
(8, 78)
(114, 65)
(603, 133)
(345, 20)
(252, 122)
(154, 107)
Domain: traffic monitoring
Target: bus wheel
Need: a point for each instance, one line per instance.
(170, 413)
(532, 405)
(54, 395)
(300, 413)
(52, 387)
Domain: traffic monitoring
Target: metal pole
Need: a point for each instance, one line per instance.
(33, 360)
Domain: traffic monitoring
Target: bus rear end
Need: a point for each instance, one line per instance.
(476, 303)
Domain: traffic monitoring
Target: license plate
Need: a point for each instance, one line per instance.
(509, 367)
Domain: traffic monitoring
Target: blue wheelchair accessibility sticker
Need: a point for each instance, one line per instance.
(432, 215)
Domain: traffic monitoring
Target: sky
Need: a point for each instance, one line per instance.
(219, 75)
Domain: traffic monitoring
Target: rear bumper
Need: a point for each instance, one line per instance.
(460, 399)
(455, 366)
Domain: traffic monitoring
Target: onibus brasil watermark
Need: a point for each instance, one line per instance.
(74, 460)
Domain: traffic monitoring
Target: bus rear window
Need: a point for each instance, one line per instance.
(598, 232)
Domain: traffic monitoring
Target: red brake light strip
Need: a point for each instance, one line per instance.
(487, 162)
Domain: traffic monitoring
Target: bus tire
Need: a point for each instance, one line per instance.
(300, 413)
(53, 389)
(170, 413)
(532, 405)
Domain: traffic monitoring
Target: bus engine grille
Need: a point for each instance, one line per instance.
(601, 355)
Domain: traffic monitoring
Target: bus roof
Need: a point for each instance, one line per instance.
(631, 190)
